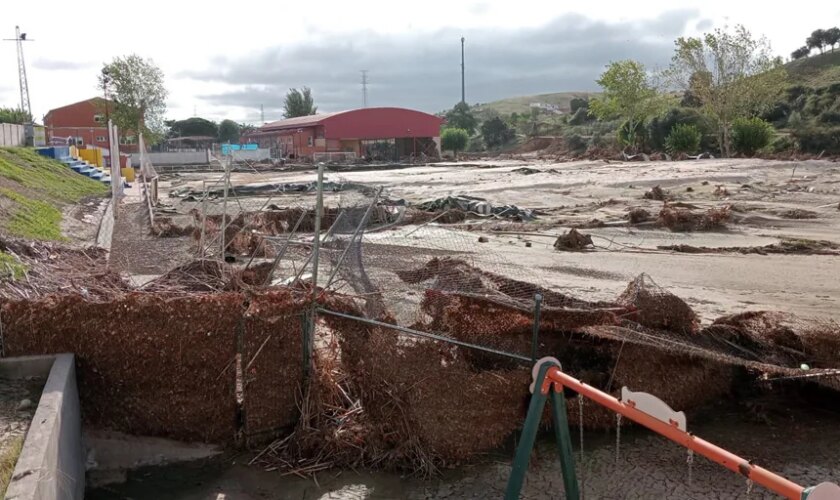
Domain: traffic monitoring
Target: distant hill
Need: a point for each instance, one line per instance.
(815, 71)
(522, 104)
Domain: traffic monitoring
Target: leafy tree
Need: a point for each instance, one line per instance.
(580, 117)
(496, 132)
(732, 75)
(136, 87)
(832, 37)
(628, 94)
(817, 40)
(462, 117)
(454, 139)
(751, 134)
(228, 131)
(192, 127)
(299, 103)
(800, 52)
(684, 138)
(14, 115)
(578, 103)
(245, 128)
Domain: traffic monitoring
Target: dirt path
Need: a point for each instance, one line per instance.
(136, 251)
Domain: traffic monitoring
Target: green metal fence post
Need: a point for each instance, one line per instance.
(526, 440)
(564, 442)
(535, 338)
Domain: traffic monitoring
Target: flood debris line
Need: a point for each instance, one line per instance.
(46, 268)
(573, 240)
(680, 219)
(794, 246)
(477, 206)
(208, 275)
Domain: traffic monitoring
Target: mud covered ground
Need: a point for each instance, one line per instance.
(770, 201)
(647, 466)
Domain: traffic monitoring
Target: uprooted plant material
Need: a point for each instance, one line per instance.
(638, 215)
(791, 246)
(164, 227)
(657, 193)
(478, 207)
(573, 240)
(680, 219)
(55, 268)
(206, 275)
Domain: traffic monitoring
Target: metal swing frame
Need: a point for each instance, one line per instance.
(644, 409)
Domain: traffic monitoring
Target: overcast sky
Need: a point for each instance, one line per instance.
(221, 62)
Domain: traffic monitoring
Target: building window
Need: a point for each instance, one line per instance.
(309, 141)
(101, 138)
(130, 139)
(99, 118)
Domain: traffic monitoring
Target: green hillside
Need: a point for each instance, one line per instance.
(33, 189)
(818, 70)
(522, 104)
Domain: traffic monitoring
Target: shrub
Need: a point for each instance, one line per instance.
(637, 136)
(662, 125)
(818, 139)
(580, 117)
(830, 117)
(454, 139)
(751, 134)
(684, 138)
(576, 143)
(784, 143)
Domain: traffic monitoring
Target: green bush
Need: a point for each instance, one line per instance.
(454, 139)
(575, 143)
(684, 138)
(635, 137)
(580, 117)
(750, 135)
(784, 143)
(818, 139)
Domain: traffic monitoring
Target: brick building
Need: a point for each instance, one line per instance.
(86, 122)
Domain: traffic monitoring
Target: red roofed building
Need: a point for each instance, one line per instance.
(86, 122)
(377, 133)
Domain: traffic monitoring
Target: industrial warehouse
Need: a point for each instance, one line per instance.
(374, 133)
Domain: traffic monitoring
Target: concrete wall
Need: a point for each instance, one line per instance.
(51, 465)
(175, 158)
(12, 135)
(252, 155)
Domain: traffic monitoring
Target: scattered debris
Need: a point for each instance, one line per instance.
(786, 246)
(797, 213)
(689, 189)
(573, 241)
(589, 224)
(483, 239)
(685, 219)
(528, 244)
(720, 190)
(526, 170)
(657, 308)
(638, 215)
(657, 193)
(477, 206)
(705, 183)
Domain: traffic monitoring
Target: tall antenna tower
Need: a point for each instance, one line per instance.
(364, 87)
(24, 85)
(463, 88)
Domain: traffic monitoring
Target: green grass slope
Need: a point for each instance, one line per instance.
(33, 189)
(818, 70)
(522, 104)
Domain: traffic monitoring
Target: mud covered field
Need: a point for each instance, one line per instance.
(776, 249)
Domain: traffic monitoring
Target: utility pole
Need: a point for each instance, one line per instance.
(463, 88)
(22, 81)
(364, 88)
(262, 114)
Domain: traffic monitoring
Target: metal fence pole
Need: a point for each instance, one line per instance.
(535, 339)
(309, 334)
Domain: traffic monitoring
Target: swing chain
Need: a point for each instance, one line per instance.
(690, 461)
(617, 436)
(580, 426)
